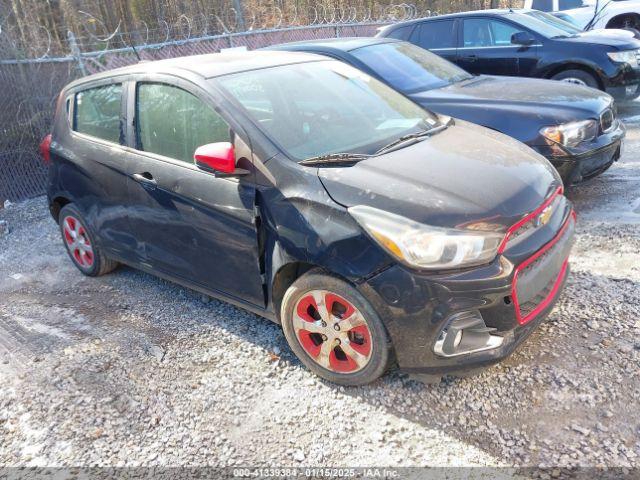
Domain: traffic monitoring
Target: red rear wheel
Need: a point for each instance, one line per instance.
(81, 245)
(77, 240)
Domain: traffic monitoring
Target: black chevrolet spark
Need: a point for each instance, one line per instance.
(297, 187)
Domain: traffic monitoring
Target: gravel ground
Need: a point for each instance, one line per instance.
(131, 370)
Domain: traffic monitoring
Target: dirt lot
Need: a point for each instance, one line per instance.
(128, 369)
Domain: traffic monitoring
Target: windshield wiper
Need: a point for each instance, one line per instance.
(334, 158)
(350, 158)
(410, 138)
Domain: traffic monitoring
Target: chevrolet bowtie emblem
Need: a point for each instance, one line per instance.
(544, 216)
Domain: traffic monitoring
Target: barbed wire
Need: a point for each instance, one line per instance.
(38, 60)
(91, 34)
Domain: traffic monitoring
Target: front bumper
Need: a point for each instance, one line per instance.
(586, 162)
(579, 168)
(624, 83)
(629, 90)
(512, 296)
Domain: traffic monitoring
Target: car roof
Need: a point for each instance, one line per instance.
(344, 44)
(491, 12)
(208, 66)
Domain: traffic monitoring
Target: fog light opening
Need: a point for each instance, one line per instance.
(507, 300)
(466, 333)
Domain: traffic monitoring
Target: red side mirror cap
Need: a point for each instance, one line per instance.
(217, 157)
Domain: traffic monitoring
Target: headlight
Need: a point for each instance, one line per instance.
(571, 134)
(627, 56)
(423, 246)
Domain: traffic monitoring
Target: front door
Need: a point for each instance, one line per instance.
(189, 223)
(486, 48)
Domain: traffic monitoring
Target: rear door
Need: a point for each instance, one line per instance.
(190, 224)
(486, 48)
(439, 36)
(94, 162)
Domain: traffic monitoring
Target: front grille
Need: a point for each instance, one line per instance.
(529, 307)
(533, 265)
(528, 310)
(607, 120)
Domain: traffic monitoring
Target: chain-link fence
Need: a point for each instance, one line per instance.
(36, 64)
(30, 88)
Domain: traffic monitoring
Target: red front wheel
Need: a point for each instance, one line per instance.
(334, 330)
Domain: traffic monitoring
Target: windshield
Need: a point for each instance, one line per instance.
(569, 19)
(555, 21)
(319, 108)
(409, 68)
(545, 29)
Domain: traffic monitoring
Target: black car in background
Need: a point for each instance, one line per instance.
(575, 127)
(304, 190)
(508, 42)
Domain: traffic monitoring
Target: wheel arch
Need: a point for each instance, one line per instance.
(283, 278)
(614, 22)
(57, 204)
(551, 72)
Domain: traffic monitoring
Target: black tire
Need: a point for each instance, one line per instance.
(100, 264)
(625, 22)
(634, 30)
(579, 77)
(379, 350)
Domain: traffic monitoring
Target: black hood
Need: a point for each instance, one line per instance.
(594, 39)
(461, 176)
(558, 100)
(510, 104)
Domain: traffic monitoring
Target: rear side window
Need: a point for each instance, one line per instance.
(97, 112)
(174, 123)
(569, 4)
(401, 33)
(542, 5)
(439, 34)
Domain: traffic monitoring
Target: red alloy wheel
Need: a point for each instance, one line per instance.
(78, 243)
(332, 332)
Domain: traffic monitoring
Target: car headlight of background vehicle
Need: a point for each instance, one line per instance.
(626, 56)
(571, 134)
(424, 246)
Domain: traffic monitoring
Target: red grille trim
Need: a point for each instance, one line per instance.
(554, 291)
(534, 214)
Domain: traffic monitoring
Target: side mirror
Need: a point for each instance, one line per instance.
(522, 38)
(218, 158)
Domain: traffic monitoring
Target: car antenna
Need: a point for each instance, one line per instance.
(133, 47)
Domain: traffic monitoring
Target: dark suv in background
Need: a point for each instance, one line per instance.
(507, 42)
(575, 127)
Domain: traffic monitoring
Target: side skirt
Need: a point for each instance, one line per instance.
(198, 288)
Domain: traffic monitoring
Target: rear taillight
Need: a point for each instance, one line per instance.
(45, 149)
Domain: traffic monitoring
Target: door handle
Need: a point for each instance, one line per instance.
(145, 178)
(470, 58)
